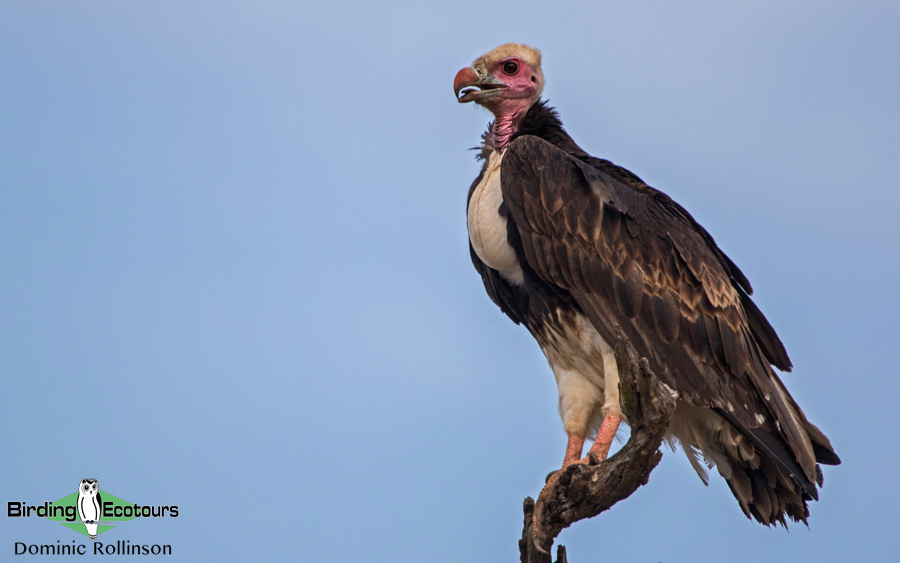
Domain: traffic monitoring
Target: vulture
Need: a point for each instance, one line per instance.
(572, 246)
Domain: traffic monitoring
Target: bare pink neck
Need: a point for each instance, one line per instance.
(506, 123)
(502, 131)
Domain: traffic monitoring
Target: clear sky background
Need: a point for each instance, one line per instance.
(234, 272)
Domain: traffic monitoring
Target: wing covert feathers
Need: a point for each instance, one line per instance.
(630, 256)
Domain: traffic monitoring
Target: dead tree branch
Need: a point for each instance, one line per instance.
(584, 491)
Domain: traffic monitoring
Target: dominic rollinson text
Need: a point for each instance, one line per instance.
(121, 547)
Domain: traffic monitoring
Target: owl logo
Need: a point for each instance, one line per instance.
(89, 504)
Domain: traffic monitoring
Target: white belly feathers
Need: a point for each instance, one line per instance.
(586, 373)
(487, 228)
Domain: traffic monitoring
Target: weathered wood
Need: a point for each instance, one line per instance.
(585, 490)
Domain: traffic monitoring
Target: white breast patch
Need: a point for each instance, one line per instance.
(487, 228)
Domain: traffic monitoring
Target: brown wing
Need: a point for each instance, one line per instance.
(632, 257)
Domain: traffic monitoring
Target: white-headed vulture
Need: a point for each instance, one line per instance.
(572, 246)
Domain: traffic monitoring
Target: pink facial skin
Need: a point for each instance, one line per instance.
(516, 98)
(507, 89)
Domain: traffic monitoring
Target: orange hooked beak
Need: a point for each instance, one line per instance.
(475, 88)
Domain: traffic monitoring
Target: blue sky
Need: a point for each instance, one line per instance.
(234, 272)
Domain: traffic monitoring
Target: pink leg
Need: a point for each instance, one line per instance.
(605, 436)
(601, 445)
(573, 450)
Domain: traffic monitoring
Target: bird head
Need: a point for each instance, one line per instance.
(506, 80)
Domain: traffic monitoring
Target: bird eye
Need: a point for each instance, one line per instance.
(510, 67)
